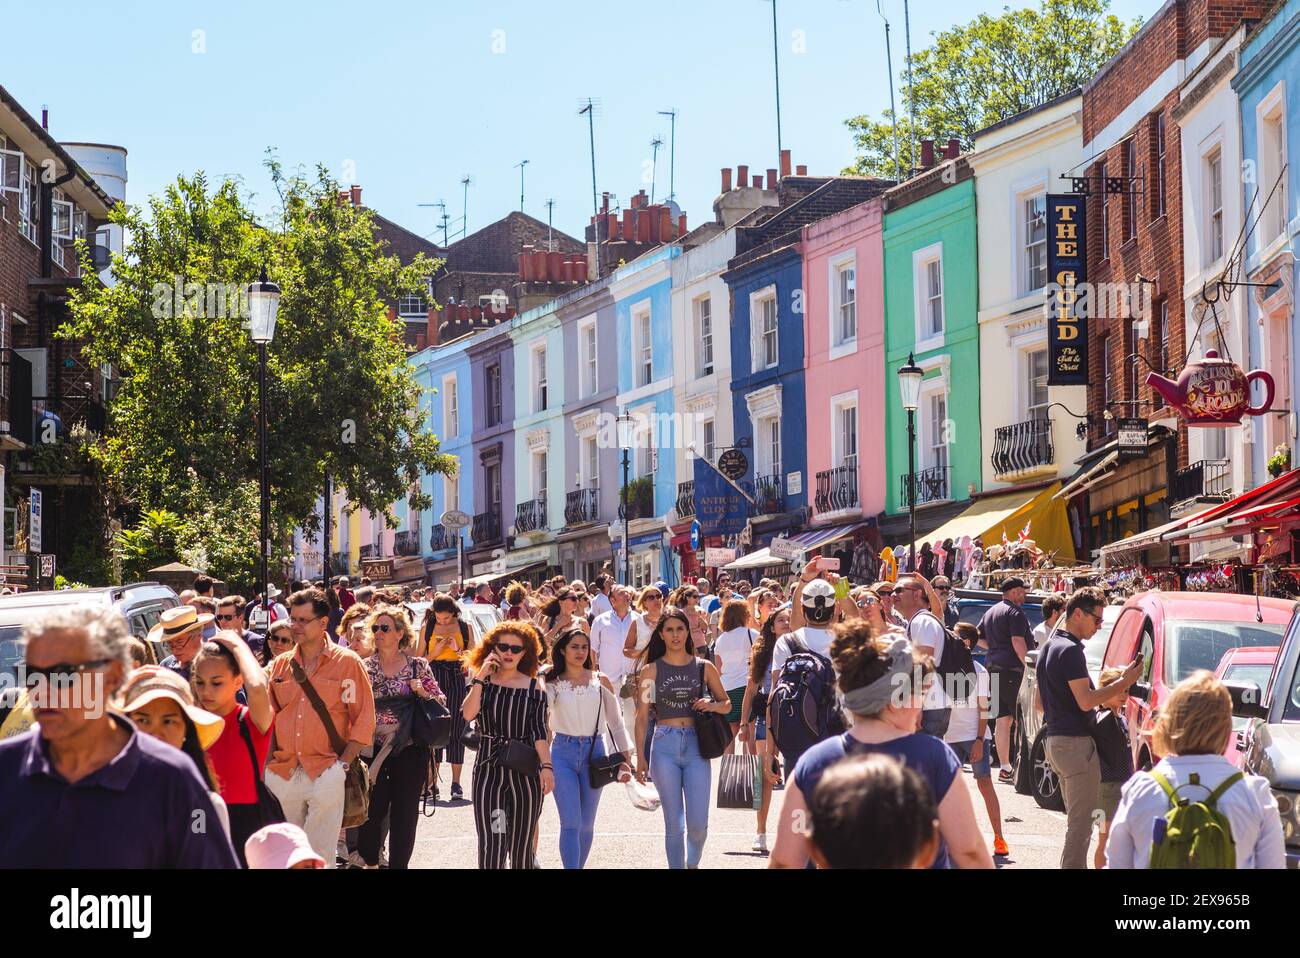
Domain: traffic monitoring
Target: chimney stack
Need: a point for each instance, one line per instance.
(758, 181)
(771, 179)
(356, 195)
(742, 177)
(801, 170)
(726, 179)
(954, 148)
(785, 163)
(927, 154)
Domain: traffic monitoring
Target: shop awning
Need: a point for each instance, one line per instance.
(490, 577)
(1148, 539)
(758, 559)
(816, 538)
(1087, 478)
(991, 517)
(1234, 517)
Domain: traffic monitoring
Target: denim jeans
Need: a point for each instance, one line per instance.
(684, 781)
(575, 799)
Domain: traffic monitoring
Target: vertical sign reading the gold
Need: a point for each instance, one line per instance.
(1067, 328)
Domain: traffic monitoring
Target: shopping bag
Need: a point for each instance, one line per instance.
(736, 779)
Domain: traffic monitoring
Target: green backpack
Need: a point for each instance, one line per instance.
(1193, 834)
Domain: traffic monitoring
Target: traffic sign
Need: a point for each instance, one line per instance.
(695, 536)
(454, 519)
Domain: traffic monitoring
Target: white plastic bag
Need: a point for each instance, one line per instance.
(645, 797)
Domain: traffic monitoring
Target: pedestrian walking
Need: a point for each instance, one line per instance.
(881, 680)
(582, 706)
(1005, 631)
(398, 764)
(754, 707)
(353, 633)
(1151, 831)
(229, 616)
(281, 846)
(305, 771)
(677, 682)
(969, 736)
(279, 638)
(1069, 700)
(802, 709)
(913, 599)
(731, 653)
(1053, 606)
(180, 629)
(224, 667)
(512, 767)
(609, 634)
(600, 601)
(445, 641)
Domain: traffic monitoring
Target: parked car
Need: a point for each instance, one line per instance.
(973, 603)
(481, 614)
(1033, 773)
(1269, 744)
(1245, 665)
(1177, 634)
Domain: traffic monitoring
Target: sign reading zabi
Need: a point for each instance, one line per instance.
(1067, 330)
(1132, 438)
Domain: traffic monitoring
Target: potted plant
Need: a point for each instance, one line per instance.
(1280, 461)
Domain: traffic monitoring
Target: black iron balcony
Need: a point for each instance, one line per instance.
(530, 516)
(1206, 479)
(769, 496)
(339, 563)
(686, 499)
(1022, 446)
(581, 505)
(407, 543)
(439, 539)
(931, 485)
(638, 499)
(487, 528)
(370, 551)
(837, 488)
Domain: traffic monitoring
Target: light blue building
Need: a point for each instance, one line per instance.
(1268, 88)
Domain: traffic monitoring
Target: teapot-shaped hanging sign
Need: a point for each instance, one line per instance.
(1213, 391)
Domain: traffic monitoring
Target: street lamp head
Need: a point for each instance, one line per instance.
(263, 305)
(909, 384)
(625, 430)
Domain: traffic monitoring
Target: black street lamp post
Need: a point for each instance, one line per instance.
(625, 440)
(909, 385)
(263, 305)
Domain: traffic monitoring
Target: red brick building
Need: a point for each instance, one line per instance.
(1135, 236)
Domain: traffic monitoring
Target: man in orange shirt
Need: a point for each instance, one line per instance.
(304, 771)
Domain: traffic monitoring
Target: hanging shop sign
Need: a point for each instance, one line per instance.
(715, 557)
(733, 464)
(1132, 441)
(784, 548)
(719, 508)
(1067, 328)
(1213, 391)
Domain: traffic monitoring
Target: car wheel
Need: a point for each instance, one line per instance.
(1046, 784)
(1021, 775)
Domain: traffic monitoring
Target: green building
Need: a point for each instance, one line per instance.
(931, 307)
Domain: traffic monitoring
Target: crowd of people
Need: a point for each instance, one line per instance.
(316, 742)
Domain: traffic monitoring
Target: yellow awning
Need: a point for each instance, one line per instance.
(989, 518)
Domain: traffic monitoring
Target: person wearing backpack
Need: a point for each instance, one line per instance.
(928, 636)
(803, 708)
(1069, 702)
(1195, 809)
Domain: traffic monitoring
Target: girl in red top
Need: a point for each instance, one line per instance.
(223, 666)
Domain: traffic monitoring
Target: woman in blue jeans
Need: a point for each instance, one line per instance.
(675, 681)
(582, 701)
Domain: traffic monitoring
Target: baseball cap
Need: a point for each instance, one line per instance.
(279, 846)
(1014, 582)
(817, 589)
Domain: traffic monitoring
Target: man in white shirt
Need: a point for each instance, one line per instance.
(927, 634)
(1053, 606)
(600, 603)
(608, 636)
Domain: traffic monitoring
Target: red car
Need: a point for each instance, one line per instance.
(1245, 665)
(1179, 633)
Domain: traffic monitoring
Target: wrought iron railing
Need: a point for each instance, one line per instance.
(530, 516)
(1021, 446)
(370, 551)
(581, 505)
(339, 563)
(769, 496)
(439, 539)
(931, 485)
(837, 489)
(686, 499)
(638, 499)
(407, 543)
(487, 528)
(1205, 479)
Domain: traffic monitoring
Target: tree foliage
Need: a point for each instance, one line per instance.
(342, 399)
(992, 68)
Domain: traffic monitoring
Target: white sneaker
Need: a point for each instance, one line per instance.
(760, 844)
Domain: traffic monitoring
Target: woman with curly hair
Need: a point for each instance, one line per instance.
(511, 711)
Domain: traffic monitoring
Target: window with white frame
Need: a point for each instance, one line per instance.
(1160, 166)
(927, 272)
(587, 364)
(62, 225)
(492, 377)
(936, 451)
(763, 318)
(409, 304)
(844, 303)
(29, 203)
(1036, 396)
(590, 462)
(1272, 160)
(707, 439)
(1034, 242)
(703, 308)
(643, 439)
(539, 378)
(1129, 205)
(769, 439)
(450, 407)
(1214, 206)
(450, 493)
(845, 437)
(1105, 213)
(539, 475)
(642, 349)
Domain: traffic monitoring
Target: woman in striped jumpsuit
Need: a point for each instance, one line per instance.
(509, 704)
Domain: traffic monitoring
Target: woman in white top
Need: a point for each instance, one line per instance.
(582, 702)
(1192, 732)
(731, 655)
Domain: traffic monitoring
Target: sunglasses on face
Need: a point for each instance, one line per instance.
(227, 618)
(64, 671)
(279, 640)
(507, 649)
(382, 627)
(302, 623)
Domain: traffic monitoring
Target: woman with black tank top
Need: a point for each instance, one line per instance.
(675, 681)
(445, 641)
(510, 707)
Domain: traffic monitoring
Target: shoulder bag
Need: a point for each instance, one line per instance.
(604, 770)
(712, 730)
(758, 702)
(268, 806)
(431, 721)
(356, 782)
(519, 757)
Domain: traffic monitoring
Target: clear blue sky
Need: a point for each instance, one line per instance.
(414, 95)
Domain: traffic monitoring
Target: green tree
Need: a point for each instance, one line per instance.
(987, 70)
(342, 398)
(154, 541)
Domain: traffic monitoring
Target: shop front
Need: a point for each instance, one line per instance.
(648, 560)
(533, 565)
(582, 555)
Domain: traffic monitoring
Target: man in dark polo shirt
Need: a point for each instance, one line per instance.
(84, 789)
(1005, 630)
(1068, 700)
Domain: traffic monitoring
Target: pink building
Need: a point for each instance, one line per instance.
(844, 333)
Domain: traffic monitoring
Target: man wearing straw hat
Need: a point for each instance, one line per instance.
(181, 630)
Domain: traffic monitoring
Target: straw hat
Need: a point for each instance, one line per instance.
(177, 622)
(152, 682)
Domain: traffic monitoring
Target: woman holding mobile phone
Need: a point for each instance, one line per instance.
(511, 710)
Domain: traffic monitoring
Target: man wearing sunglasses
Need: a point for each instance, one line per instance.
(84, 788)
(885, 593)
(230, 615)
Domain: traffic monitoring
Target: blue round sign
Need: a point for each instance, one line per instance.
(695, 536)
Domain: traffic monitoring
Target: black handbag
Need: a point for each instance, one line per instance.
(604, 770)
(520, 757)
(712, 730)
(269, 811)
(470, 737)
(430, 723)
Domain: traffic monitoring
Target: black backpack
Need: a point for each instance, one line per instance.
(955, 661)
(804, 706)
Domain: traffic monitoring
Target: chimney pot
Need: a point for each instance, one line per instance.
(665, 225)
(785, 163)
(758, 181)
(629, 227)
(681, 226)
(356, 195)
(954, 148)
(771, 179)
(604, 203)
(742, 177)
(801, 170)
(726, 179)
(927, 154)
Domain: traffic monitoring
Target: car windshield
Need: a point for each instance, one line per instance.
(11, 653)
(1200, 645)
